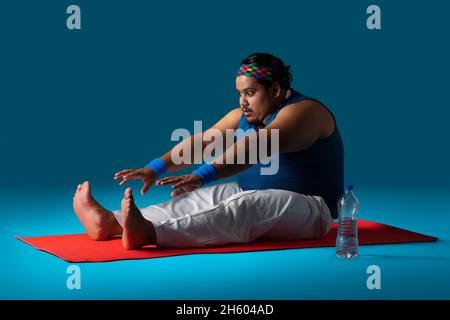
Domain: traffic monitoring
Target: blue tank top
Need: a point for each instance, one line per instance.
(317, 170)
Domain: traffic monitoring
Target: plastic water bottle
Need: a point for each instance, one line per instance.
(347, 237)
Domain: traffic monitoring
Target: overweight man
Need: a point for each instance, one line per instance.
(294, 199)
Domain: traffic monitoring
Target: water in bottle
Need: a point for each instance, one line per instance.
(347, 237)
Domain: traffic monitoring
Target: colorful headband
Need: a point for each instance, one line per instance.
(250, 70)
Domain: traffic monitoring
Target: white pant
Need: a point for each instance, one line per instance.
(223, 213)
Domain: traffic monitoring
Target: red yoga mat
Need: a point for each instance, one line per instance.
(79, 248)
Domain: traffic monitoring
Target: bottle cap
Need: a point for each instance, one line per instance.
(348, 187)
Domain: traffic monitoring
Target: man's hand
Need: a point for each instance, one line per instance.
(147, 176)
(181, 184)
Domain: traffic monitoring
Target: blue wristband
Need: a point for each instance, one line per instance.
(158, 166)
(207, 173)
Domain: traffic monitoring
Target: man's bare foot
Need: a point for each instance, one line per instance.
(137, 231)
(99, 223)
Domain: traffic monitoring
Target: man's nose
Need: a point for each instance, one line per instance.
(244, 102)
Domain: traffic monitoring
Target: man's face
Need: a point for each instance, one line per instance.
(256, 101)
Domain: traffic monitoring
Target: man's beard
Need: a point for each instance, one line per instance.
(254, 121)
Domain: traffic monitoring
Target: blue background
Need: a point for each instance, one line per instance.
(83, 104)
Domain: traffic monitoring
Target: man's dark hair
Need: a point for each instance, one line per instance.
(281, 73)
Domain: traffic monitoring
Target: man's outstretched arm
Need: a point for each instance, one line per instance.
(297, 128)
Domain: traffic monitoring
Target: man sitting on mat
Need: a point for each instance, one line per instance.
(299, 201)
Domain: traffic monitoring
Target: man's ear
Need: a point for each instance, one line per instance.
(276, 90)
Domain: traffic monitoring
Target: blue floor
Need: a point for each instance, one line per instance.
(408, 271)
